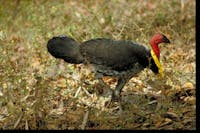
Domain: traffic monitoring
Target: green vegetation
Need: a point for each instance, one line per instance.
(39, 92)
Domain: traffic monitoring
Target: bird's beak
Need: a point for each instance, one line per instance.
(165, 39)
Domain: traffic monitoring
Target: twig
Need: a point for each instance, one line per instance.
(121, 30)
(18, 120)
(182, 5)
(77, 92)
(85, 119)
(26, 126)
(86, 91)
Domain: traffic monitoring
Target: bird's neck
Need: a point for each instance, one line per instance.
(157, 62)
(155, 48)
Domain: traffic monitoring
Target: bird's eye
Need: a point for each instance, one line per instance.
(157, 41)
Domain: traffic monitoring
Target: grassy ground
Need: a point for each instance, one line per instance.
(39, 92)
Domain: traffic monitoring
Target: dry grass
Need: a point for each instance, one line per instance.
(39, 92)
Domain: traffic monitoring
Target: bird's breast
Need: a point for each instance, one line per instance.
(109, 71)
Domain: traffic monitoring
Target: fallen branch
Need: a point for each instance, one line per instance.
(85, 119)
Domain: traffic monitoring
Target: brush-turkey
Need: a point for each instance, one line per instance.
(116, 58)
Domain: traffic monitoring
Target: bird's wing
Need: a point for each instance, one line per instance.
(119, 55)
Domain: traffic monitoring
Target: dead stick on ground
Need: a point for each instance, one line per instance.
(26, 126)
(85, 119)
(77, 92)
(18, 120)
(86, 92)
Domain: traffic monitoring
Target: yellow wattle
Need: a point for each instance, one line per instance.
(157, 62)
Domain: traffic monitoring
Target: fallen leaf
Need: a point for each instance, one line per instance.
(166, 122)
(188, 85)
(146, 124)
(153, 102)
(171, 115)
(61, 82)
(1, 93)
(157, 125)
(190, 99)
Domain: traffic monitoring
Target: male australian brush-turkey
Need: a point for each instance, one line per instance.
(117, 58)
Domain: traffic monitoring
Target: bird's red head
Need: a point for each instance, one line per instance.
(157, 39)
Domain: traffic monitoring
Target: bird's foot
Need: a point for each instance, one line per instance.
(114, 103)
(114, 97)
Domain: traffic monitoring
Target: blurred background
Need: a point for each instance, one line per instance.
(38, 91)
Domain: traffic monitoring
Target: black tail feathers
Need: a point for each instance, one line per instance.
(65, 48)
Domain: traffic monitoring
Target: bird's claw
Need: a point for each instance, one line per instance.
(114, 97)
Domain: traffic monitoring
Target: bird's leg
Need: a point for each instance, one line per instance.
(120, 84)
(116, 93)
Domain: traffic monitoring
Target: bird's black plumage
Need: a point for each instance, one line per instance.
(65, 48)
(118, 55)
(122, 58)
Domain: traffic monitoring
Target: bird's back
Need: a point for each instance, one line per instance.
(117, 55)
